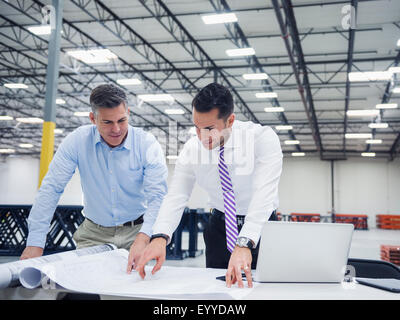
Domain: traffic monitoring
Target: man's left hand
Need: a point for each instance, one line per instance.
(240, 260)
(136, 250)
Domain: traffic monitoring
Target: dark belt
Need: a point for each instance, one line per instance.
(134, 223)
(221, 215)
(239, 219)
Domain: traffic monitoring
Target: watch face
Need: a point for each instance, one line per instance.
(242, 242)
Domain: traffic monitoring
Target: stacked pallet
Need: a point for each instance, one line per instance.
(391, 254)
(305, 217)
(388, 221)
(360, 221)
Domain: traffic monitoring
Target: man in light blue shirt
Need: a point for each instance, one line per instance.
(123, 177)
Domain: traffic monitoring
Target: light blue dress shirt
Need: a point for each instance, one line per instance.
(119, 184)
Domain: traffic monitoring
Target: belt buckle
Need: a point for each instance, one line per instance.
(126, 224)
(240, 221)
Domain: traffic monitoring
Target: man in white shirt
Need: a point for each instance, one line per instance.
(239, 164)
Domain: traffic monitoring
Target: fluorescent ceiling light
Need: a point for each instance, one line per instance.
(358, 135)
(386, 106)
(274, 109)
(396, 90)
(93, 56)
(292, 142)
(362, 113)
(7, 150)
(255, 76)
(368, 154)
(129, 82)
(172, 157)
(219, 18)
(298, 154)
(60, 101)
(174, 111)
(394, 70)
(156, 97)
(82, 113)
(240, 52)
(373, 141)
(5, 118)
(30, 120)
(58, 131)
(379, 125)
(40, 30)
(283, 127)
(270, 95)
(398, 43)
(26, 145)
(16, 85)
(369, 76)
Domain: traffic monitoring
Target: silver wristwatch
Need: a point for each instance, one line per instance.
(244, 242)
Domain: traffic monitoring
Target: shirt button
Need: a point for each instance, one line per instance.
(110, 171)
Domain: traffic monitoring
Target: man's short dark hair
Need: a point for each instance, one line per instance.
(214, 96)
(107, 96)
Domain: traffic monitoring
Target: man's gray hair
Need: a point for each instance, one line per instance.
(107, 96)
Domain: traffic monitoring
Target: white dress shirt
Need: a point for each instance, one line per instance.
(254, 158)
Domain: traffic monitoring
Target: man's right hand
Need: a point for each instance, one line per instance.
(156, 249)
(31, 252)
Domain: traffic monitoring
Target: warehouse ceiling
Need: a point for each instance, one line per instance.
(306, 48)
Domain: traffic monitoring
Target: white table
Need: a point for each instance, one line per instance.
(263, 291)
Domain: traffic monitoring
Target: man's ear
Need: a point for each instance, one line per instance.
(231, 119)
(92, 117)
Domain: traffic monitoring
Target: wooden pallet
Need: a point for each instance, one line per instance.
(360, 221)
(388, 221)
(391, 253)
(305, 217)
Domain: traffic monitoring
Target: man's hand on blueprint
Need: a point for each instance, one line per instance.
(31, 252)
(136, 250)
(155, 250)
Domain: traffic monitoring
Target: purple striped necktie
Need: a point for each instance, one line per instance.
(229, 202)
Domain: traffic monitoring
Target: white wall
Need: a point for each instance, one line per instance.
(305, 186)
(368, 187)
(19, 178)
(362, 186)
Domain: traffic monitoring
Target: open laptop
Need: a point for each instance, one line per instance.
(303, 252)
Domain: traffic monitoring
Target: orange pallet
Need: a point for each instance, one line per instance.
(360, 221)
(391, 253)
(388, 221)
(305, 217)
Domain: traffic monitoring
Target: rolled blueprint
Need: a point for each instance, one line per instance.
(10, 272)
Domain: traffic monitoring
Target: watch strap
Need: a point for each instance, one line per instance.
(159, 235)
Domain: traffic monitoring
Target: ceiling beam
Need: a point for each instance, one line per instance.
(294, 49)
(170, 23)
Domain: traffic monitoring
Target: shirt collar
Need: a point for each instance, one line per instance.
(126, 144)
(233, 140)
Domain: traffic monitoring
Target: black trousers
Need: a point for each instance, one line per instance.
(217, 254)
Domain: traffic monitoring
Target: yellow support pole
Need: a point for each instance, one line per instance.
(46, 154)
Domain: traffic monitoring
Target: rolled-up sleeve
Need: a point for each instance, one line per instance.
(61, 169)
(154, 183)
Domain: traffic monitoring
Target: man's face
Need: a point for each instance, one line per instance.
(112, 124)
(210, 130)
